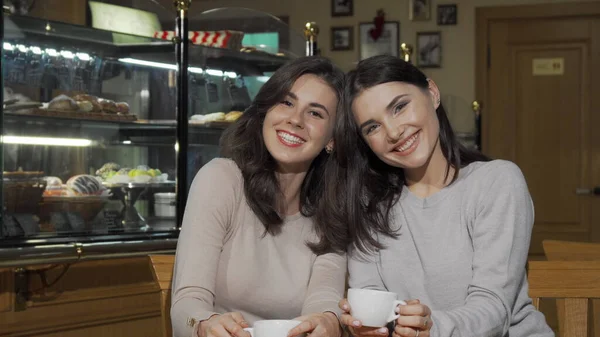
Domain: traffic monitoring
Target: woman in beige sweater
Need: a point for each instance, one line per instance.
(255, 243)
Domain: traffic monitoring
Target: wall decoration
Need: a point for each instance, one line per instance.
(419, 10)
(379, 37)
(447, 15)
(429, 49)
(386, 43)
(342, 38)
(342, 7)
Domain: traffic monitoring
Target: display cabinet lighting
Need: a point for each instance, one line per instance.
(80, 142)
(67, 54)
(49, 51)
(195, 70)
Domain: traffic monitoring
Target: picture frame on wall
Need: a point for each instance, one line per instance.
(342, 7)
(447, 14)
(429, 49)
(372, 43)
(342, 38)
(419, 10)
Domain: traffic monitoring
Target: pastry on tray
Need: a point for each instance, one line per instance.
(122, 108)
(84, 185)
(63, 103)
(208, 118)
(108, 106)
(86, 100)
(232, 116)
(87, 103)
(110, 174)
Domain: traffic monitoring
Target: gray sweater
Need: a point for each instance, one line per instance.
(462, 251)
(226, 263)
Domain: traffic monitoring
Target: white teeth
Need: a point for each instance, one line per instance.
(407, 144)
(289, 138)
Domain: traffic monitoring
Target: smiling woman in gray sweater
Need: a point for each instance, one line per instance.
(432, 221)
(254, 244)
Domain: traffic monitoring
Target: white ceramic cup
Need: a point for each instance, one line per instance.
(373, 308)
(272, 328)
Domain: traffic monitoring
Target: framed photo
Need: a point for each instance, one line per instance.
(446, 15)
(429, 49)
(419, 10)
(371, 43)
(342, 38)
(342, 7)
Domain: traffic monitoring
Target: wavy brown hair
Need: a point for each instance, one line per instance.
(243, 142)
(374, 187)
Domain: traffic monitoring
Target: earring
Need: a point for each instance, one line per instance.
(328, 149)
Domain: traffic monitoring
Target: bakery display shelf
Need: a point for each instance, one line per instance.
(78, 117)
(44, 34)
(132, 185)
(25, 252)
(41, 32)
(96, 116)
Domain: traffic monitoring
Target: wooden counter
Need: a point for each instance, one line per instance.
(114, 298)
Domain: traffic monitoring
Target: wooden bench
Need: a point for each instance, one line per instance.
(575, 251)
(575, 282)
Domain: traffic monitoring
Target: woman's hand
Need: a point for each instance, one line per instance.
(414, 320)
(318, 325)
(355, 326)
(230, 324)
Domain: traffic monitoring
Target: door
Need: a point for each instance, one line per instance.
(539, 74)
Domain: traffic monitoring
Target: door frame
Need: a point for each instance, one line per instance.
(484, 16)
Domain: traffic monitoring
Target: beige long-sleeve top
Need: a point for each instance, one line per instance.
(226, 263)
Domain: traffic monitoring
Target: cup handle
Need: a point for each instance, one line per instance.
(394, 315)
(250, 330)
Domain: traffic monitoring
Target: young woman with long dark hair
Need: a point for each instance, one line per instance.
(431, 220)
(254, 243)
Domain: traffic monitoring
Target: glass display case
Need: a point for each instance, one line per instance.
(95, 119)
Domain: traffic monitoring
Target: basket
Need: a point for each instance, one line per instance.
(86, 207)
(23, 196)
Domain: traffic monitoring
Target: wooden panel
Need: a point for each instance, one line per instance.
(575, 251)
(590, 8)
(561, 279)
(162, 266)
(595, 122)
(573, 283)
(552, 141)
(527, 32)
(571, 251)
(544, 123)
(102, 298)
(6, 290)
(575, 317)
(145, 327)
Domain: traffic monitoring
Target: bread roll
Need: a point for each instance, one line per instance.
(85, 106)
(108, 106)
(122, 108)
(232, 116)
(63, 103)
(89, 98)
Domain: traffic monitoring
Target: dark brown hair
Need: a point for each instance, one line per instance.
(243, 142)
(374, 187)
